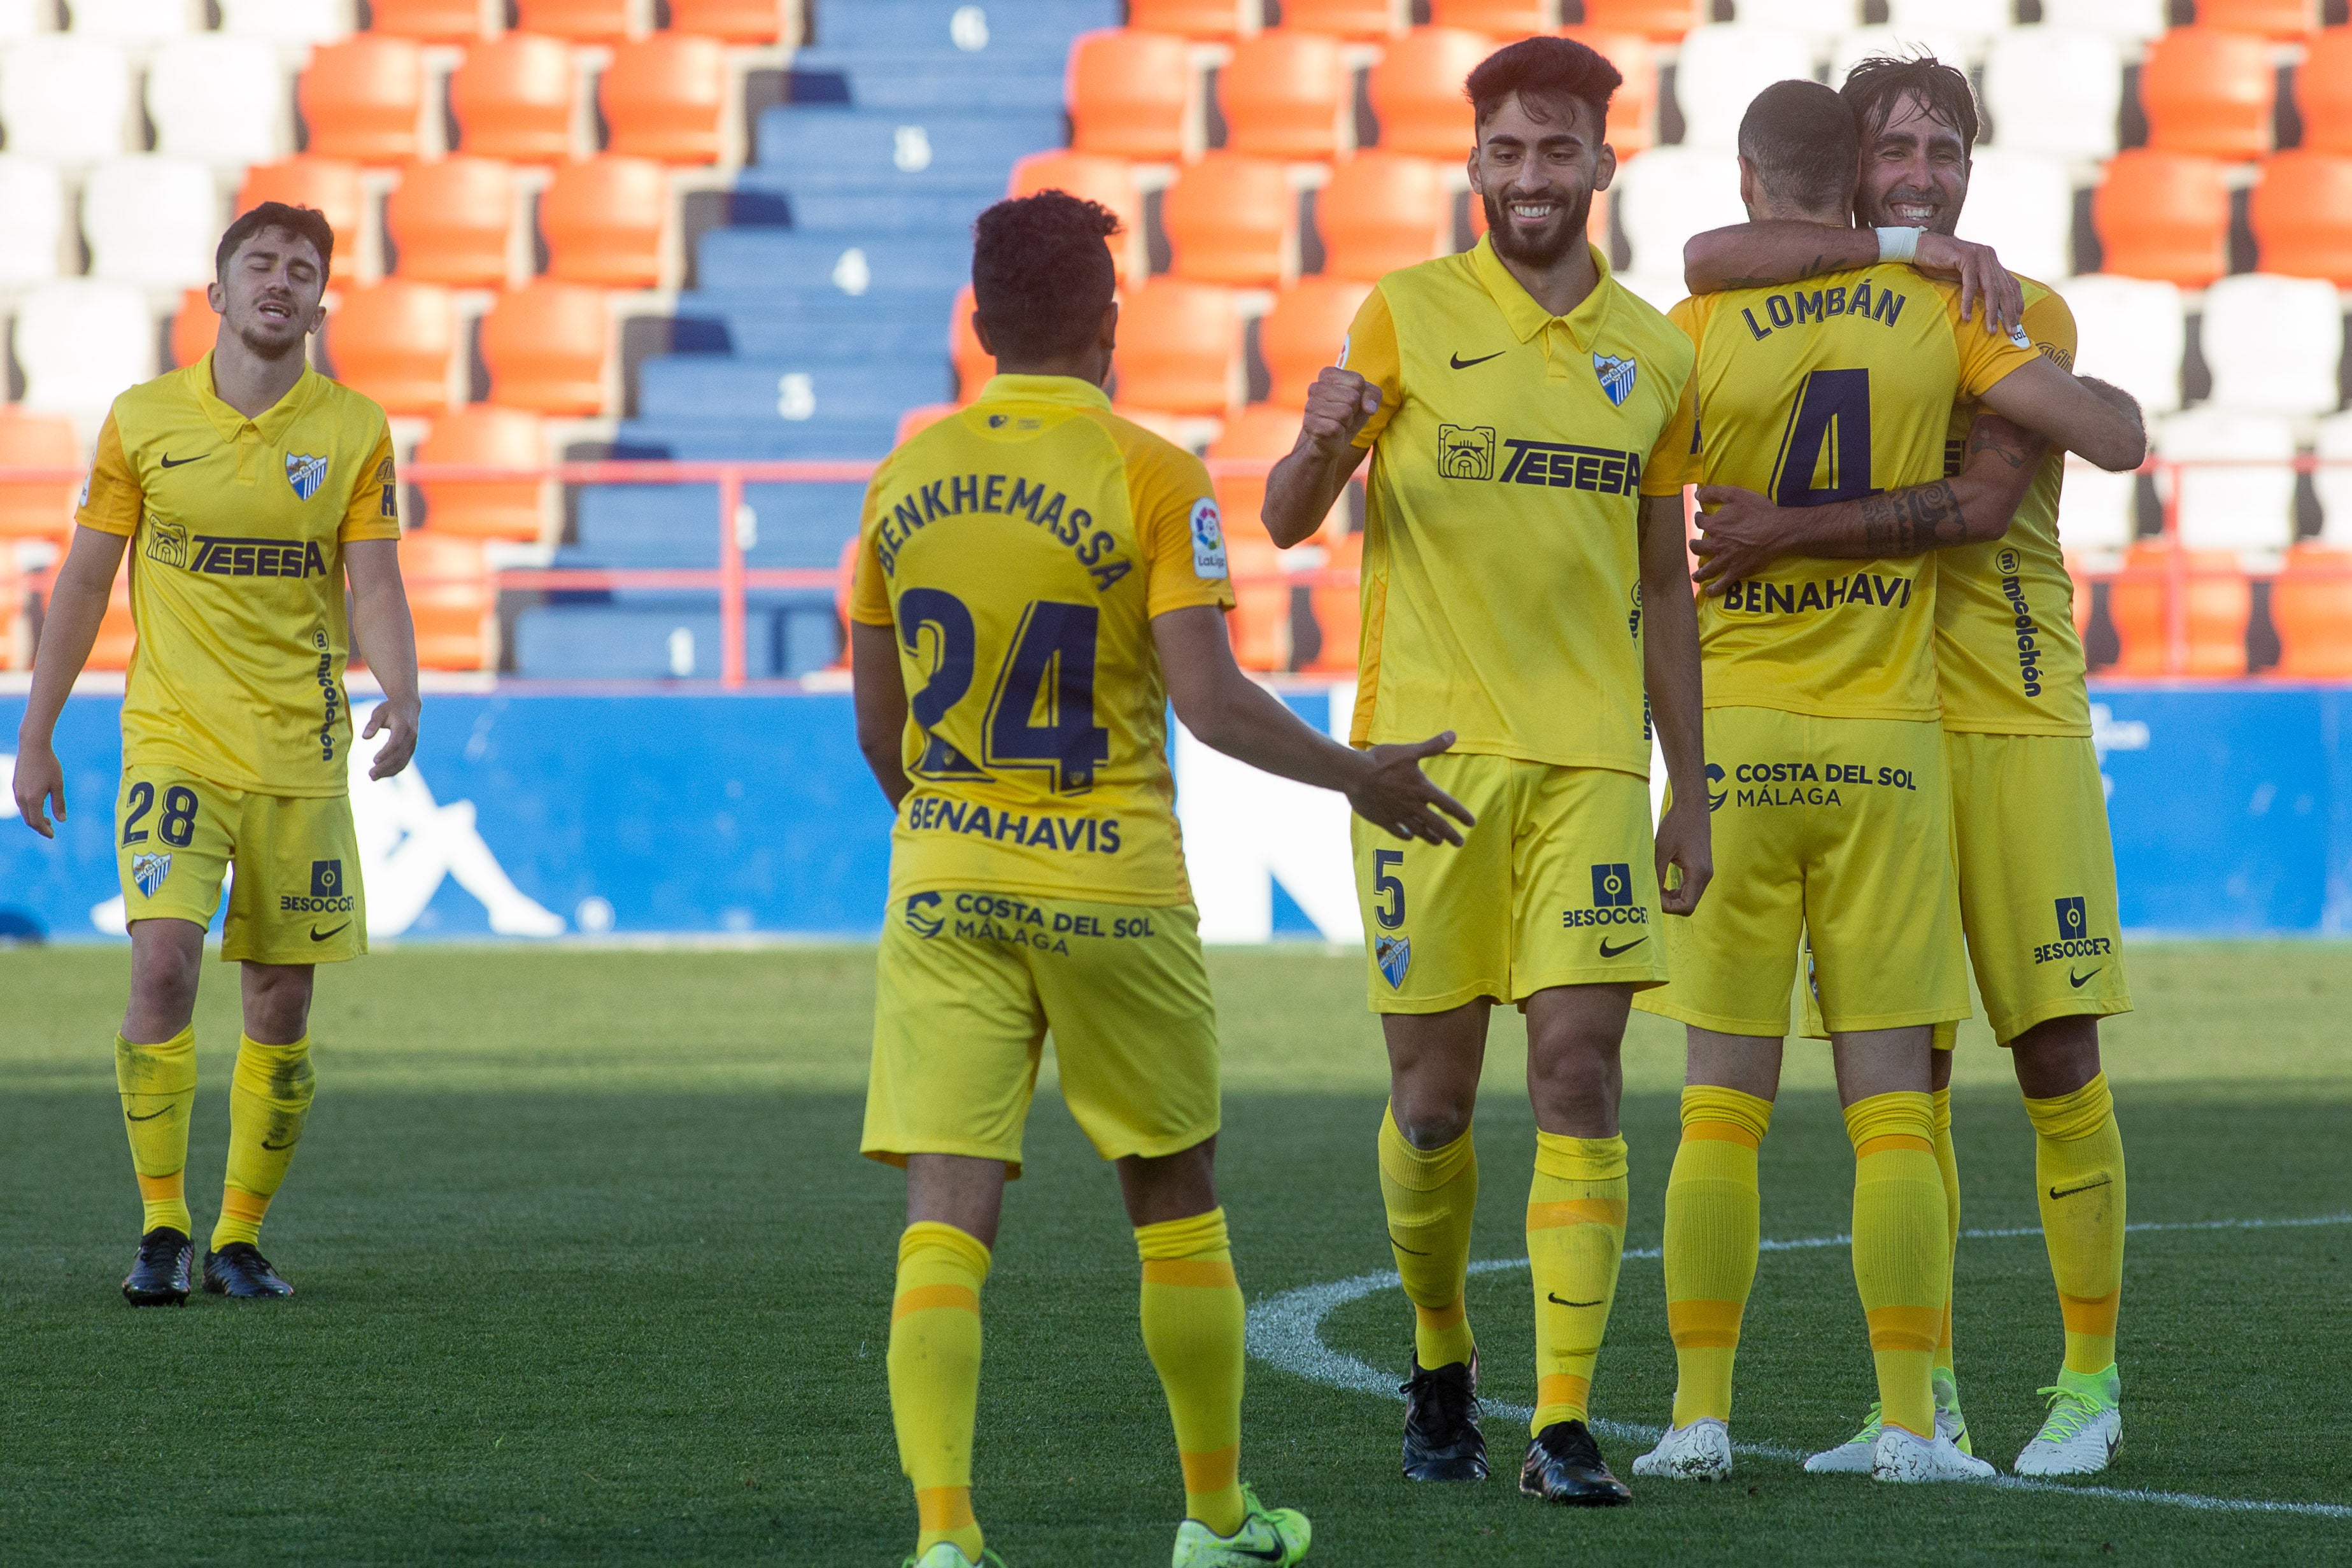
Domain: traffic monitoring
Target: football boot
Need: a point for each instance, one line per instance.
(159, 1275)
(947, 1554)
(1699, 1452)
(1564, 1465)
(1442, 1439)
(1267, 1538)
(1902, 1456)
(240, 1270)
(2083, 1430)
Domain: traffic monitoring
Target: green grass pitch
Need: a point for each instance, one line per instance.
(589, 1271)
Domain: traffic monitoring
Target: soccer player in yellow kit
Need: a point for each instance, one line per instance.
(250, 487)
(1517, 592)
(1826, 776)
(2036, 865)
(1036, 580)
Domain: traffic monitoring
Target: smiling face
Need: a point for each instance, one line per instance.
(1915, 171)
(1535, 168)
(271, 291)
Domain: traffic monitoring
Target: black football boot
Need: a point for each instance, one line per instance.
(1442, 1440)
(158, 1276)
(1564, 1465)
(239, 1270)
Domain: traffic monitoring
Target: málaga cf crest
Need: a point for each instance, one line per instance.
(306, 474)
(1616, 377)
(149, 872)
(1394, 956)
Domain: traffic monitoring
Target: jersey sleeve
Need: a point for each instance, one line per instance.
(111, 500)
(869, 591)
(1985, 357)
(1370, 350)
(374, 512)
(1674, 461)
(1178, 528)
(2050, 324)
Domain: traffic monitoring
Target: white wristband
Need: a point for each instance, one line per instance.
(1898, 244)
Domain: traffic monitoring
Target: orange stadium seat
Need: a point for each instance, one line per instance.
(1259, 622)
(428, 21)
(1130, 94)
(1338, 608)
(736, 21)
(973, 364)
(1261, 430)
(1179, 348)
(2208, 92)
(1416, 91)
(118, 634)
(511, 97)
(1283, 94)
(2282, 19)
(485, 435)
(1303, 333)
(45, 510)
(1634, 110)
(11, 613)
(328, 185)
(604, 220)
(1382, 210)
(548, 347)
(1503, 18)
(2323, 92)
(582, 21)
(2219, 603)
(453, 222)
(2302, 216)
(2164, 215)
(1660, 20)
(1347, 18)
(1109, 181)
(450, 598)
(845, 569)
(362, 98)
(1195, 18)
(194, 328)
(663, 96)
(393, 341)
(1232, 219)
(2311, 605)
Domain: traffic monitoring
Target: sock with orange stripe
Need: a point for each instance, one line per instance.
(1712, 1203)
(1901, 1259)
(1576, 1239)
(1193, 1317)
(158, 1084)
(268, 1101)
(935, 1377)
(1431, 1195)
(1948, 1165)
(2078, 1175)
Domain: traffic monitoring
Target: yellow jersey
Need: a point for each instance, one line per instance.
(1831, 389)
(1020, 548)
(2009, 660)
(1502, 575)
(236, 529)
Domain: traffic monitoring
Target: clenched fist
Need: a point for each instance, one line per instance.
(1338, 404)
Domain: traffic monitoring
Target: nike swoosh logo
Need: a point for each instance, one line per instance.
(2079, 981)
(1405, 1249)
(1609, 952)
(171, 462)
(1557, 1302)
(2086, 1187)
(276, 1148)
(1462, 364)
(318, 935)
(149, 1116)
(1260, 1553)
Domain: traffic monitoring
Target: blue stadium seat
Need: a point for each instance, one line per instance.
(796, 526)
(708, 441)
(783, 259)
(830, 149)
(765, 197)
(1007, 29)
(905, 79)
(617, 643)
(737, 391)
(742, 322)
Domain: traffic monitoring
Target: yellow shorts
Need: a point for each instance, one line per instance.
(1557, 886)
(1838, 830)
(296, 897)
(969, 982)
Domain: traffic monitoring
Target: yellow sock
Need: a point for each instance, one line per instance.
(1900, 1257)
(1712, 1203)
(1192, 1316)
(269, 1101)
(1431, 1195)
(1576, 1239)
(935, 1377)
(2078, 1175)
(158, 1084)
(1948, 1162)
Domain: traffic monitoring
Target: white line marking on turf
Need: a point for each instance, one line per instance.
(1286, 1332)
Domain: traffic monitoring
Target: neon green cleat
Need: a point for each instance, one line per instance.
(1268, 1538)
(948, 1554)
(2085, 1427)
(1949, 1421)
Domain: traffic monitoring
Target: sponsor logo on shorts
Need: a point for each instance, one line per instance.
(1613, 901)
(1807, 783)
(2073, 923)
(149, 872)
(327, 895)
(1394, 956)
(919, 919)
(1019, 923)
(1715, 798)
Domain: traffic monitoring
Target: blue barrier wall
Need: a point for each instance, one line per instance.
(532, 815)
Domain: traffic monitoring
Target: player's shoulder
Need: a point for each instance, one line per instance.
(1147, 453)
(1441, 281)
(2048, 319)
(1652, 331)
(332, 400)
(136, 406)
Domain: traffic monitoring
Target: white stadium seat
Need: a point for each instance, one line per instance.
(1663, 290)
(287, 21)
(219, 99)
(80, 342)
(1668, 194)
(1976, 19)
(134, 21)
(2047, 90)
(32, 221)
(2022, 205)
(65, 98)
(2335, 484)
(2097, 512)
(2131, 331)
(1821, 17)
(2274, 343)
(21, 18)
(1722, 69)
(152, 221)
(2233, 508)
(1889, 42)
(2130, 20)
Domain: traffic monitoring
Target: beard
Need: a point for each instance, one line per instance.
(1541, 252)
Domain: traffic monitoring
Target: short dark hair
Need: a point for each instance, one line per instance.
(1543, 67)
(1874, 86)
(1042, 275)
(303, 222)
(1800, 137)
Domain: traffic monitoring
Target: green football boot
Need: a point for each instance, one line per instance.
(1268, 1538)
(947, 1554)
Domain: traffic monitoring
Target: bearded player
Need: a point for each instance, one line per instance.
(1520, 591)
(2036, 865)
(252, 487)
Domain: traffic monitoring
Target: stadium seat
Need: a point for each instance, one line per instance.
(512, 98)
(2210, 92)
(663, 97)
(2164, 214)
(1259, 622)
(287, 21)
(735, 21)
(2311, 607)
(1662, 21)
(1108, 182)
(2053, 90)
(2286, 20)
(485, 435)
(394, 342)
(1633, 109)
(194, 328)
(361, 100)
(64, 98)
(1886, 43)
(29, 510)
(973, 364)
(2097, 512)
(1721, 70)
(1232, 219)
(330, 184)
(151, 221)
(1382, 210)
(2333, 440)
(429, 21)
(1133, 95)
(2022, 205)
(603, 221)
(1416, 93)
(218, 98)
(2122, 20)
(1338, 608)
(1499, 18)
(2273, 344)
(2239, 507)
(2131, 331)
(1976, 19)
(2218, 604)
(450, 598)
(1284, 95)
(34, 197)
(1180, 348)
(1260, 430)
(131, 21)
(453, 222)
(581, 21)
(1821, 18)
(2323, 92)
(1304, 331)
(549, 347)
(1357, 20)
(79, 341)
(118, 633)
(2302, 216)
(1670, 194)
(1195, 18)
(14, 655)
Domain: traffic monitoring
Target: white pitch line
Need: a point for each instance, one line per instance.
(1286, 1332)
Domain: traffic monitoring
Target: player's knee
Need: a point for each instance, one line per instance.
(1431, 1122)
(276, 1002)
(2056, 1056)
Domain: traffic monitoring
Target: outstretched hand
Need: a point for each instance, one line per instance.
(1982, 279)
(1396, 796)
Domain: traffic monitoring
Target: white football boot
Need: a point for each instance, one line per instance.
(1857, 1454)
(1900, 1456)
(2085, 1427)
(948, 1554)
(1699, 1452)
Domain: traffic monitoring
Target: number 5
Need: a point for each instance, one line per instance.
(1391, 915)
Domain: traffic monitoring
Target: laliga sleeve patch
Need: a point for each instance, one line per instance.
(1346, 343)
(1208, 540)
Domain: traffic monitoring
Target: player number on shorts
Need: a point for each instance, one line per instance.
(178, 823)
(1041, 710)
(1391, 914)
(1832, 412)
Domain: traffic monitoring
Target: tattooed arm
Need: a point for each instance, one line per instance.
(1784, 250)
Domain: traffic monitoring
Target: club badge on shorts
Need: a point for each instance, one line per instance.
(149, 872)
(1616, 377)
(306, 474)
(1394, 956)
